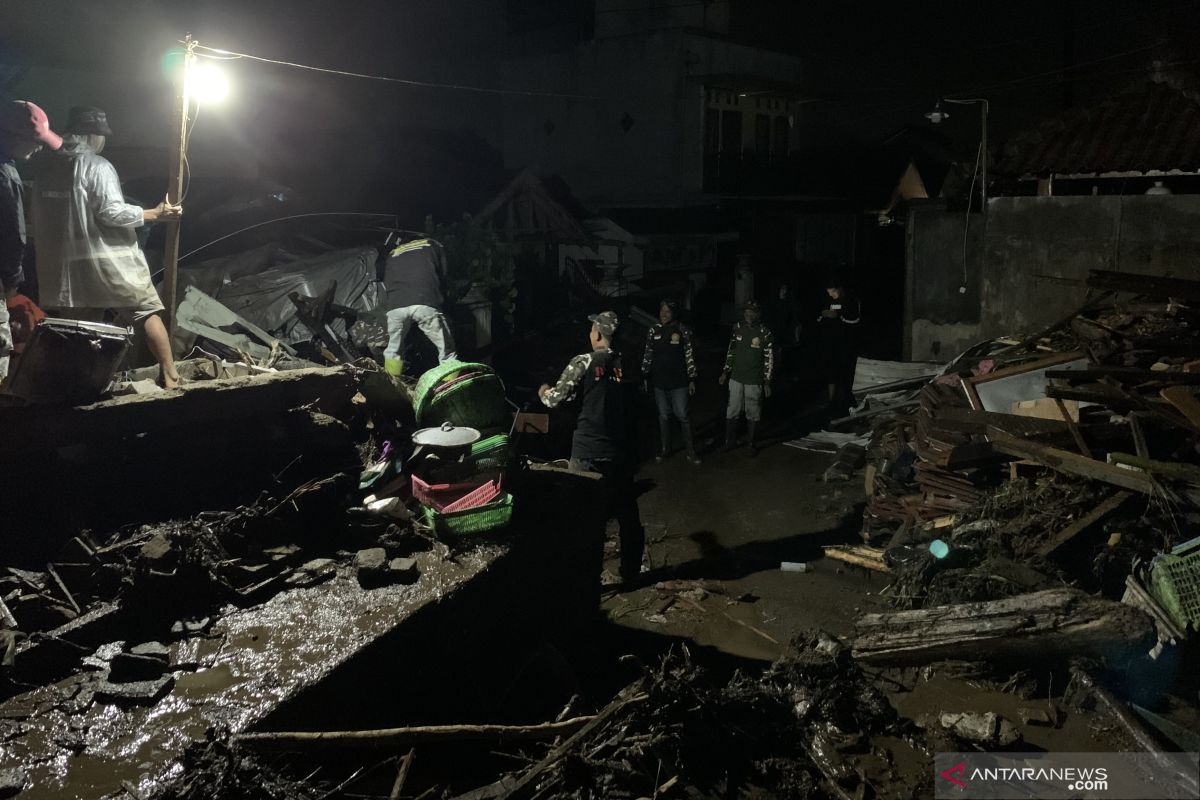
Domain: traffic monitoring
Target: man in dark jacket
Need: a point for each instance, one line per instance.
(749, 367)
(669, 366)
(599, 444)
(24, 129)
(837, 329)
(415, 280)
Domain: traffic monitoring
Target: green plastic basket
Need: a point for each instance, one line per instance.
(1175, 583)
(435, 377)
(491, 453)
(476, 402)
(484, 519)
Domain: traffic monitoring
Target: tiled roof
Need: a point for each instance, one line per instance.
(1149, 126)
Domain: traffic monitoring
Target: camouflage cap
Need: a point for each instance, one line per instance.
(607, 322)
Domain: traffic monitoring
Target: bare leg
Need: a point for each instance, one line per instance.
(159, 343)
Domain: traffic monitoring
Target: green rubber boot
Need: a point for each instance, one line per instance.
(393, 366)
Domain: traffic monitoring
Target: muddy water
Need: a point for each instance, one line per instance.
(256, 659)
(1077, 733)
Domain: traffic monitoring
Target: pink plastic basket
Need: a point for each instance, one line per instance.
(480, 497)
(442, 495)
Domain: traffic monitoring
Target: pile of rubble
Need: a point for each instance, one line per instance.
(1071, 457)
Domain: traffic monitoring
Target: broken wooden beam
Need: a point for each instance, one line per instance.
(420, 734)
(1184, 401)
(1173, 470)
(859, 555)
(1147, 285)
(1083, 523)
(1073, 463)
(1047, 624)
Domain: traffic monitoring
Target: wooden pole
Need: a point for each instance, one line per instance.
(175, 183)
(422, 734)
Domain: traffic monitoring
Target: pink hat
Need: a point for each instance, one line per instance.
(23, 118)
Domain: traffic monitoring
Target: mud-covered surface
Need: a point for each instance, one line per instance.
(76, 742)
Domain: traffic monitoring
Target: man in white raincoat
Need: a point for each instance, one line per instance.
(89, 264)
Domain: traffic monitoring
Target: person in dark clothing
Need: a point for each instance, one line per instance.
(599, 441)
(837, 328)
(782, 317)
(749, 367)
(669, 366)
(24, 129)
(415, 280)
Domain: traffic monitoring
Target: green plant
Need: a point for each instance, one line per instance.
(475, 256)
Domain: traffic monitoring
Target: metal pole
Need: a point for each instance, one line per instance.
(175, 185)
(983, 188)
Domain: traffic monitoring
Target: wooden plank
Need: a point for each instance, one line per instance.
(1184, 401)
(1148, 285)
(860, 556)
(1066, 417)
(1074, 464)
(1054, 623)
(1168, 469)
(1083, 523)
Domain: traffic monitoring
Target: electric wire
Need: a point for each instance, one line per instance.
(219, 239)
(402, 81)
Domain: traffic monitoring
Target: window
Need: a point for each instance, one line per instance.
(762, 134)
(712, 130)
(731, 131)
(781, 136)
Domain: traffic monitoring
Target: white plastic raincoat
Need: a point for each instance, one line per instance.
(88, 255)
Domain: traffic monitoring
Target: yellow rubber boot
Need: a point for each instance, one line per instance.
(393, 366)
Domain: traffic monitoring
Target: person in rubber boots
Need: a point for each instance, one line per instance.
(749, 367)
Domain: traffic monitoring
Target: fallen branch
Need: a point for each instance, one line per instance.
(402, 776)
(420, 734)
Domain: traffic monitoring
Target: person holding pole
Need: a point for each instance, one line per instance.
(89, 264)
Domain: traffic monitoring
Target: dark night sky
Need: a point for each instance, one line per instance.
(874, 68)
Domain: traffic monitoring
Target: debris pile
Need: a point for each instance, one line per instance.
(806, 728)
(1071, 457)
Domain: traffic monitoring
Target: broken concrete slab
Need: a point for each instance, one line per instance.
(130, 668)
(404, 570)
(12, 781)
(146, 692)
(371, 559)
(988, 728)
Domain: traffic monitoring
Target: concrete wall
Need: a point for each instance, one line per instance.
(652, 78)
(1036, 246)
(1033, 259)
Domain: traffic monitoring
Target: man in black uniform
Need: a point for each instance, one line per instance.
(669, 366)
(599, 444)
(837, 328)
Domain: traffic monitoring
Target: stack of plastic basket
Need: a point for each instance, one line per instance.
(467, 395)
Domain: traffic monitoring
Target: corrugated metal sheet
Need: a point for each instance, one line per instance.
(1150, 126)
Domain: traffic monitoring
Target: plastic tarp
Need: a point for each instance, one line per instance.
(250, 288)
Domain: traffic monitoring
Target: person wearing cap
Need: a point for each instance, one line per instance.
(599, 443)
(749, 367)
(415, 280)
(89, 264)
(24, 129)
(837, 329)
(669, 366)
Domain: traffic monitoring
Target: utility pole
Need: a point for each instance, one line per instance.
(175, 182)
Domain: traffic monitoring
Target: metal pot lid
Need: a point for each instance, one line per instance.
(446, 436)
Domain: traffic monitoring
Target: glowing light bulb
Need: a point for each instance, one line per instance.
(208, 84)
